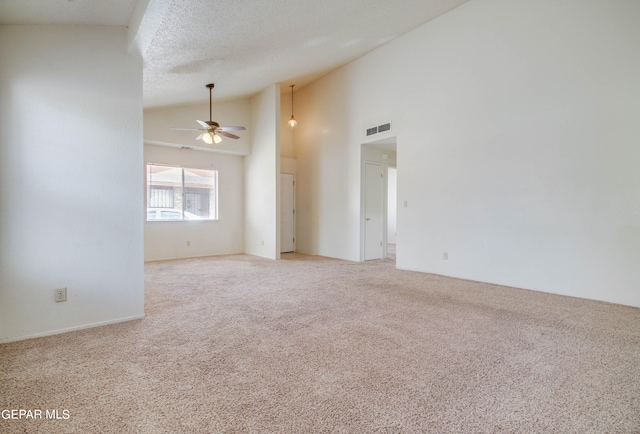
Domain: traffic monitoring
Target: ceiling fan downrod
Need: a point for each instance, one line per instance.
(210, 86)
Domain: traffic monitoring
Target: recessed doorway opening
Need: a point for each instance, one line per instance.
(378, 200)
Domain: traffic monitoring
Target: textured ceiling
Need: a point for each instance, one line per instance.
(242, 46)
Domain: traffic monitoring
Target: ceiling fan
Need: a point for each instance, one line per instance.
(213, 130)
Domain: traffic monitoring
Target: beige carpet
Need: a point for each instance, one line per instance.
(304, 345)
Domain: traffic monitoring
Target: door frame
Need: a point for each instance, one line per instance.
(381, 147)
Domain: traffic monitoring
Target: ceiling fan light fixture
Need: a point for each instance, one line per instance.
(292, 121)
(208, 139)
(217, 139)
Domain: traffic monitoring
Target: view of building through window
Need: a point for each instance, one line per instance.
(181, 193)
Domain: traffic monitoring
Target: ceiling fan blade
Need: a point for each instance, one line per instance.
(204, 124)
(231, 136)
(232, 128)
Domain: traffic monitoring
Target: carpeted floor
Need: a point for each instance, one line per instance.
(303, 345)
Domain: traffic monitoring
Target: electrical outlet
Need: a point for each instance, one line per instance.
(445, 256)
(60, 294)
(188, 243)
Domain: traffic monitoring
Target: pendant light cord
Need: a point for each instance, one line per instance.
(292, 99)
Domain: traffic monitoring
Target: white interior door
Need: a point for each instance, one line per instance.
(392, 197)
(373, 211)
(287, 213)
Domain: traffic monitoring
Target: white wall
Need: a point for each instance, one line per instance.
(70, 159)
(287, 148)
(327, 148)
(168, 239)
(288, 165)
(517, 146)
(262, 177)
(159, 121)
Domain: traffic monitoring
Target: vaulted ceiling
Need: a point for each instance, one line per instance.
(240, 45)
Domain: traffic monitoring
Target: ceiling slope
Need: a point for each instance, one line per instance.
(242, 46)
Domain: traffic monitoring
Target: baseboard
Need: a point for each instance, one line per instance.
(68, 329)
(507, 285)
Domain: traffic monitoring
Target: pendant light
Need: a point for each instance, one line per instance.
(292, 121)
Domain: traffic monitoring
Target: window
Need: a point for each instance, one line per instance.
(181, 193)
(160, 196)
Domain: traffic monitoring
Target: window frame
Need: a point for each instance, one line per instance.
(182, 194)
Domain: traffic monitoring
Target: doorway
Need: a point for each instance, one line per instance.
(378, 200)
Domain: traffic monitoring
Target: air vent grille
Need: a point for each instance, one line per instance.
(382, 128)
